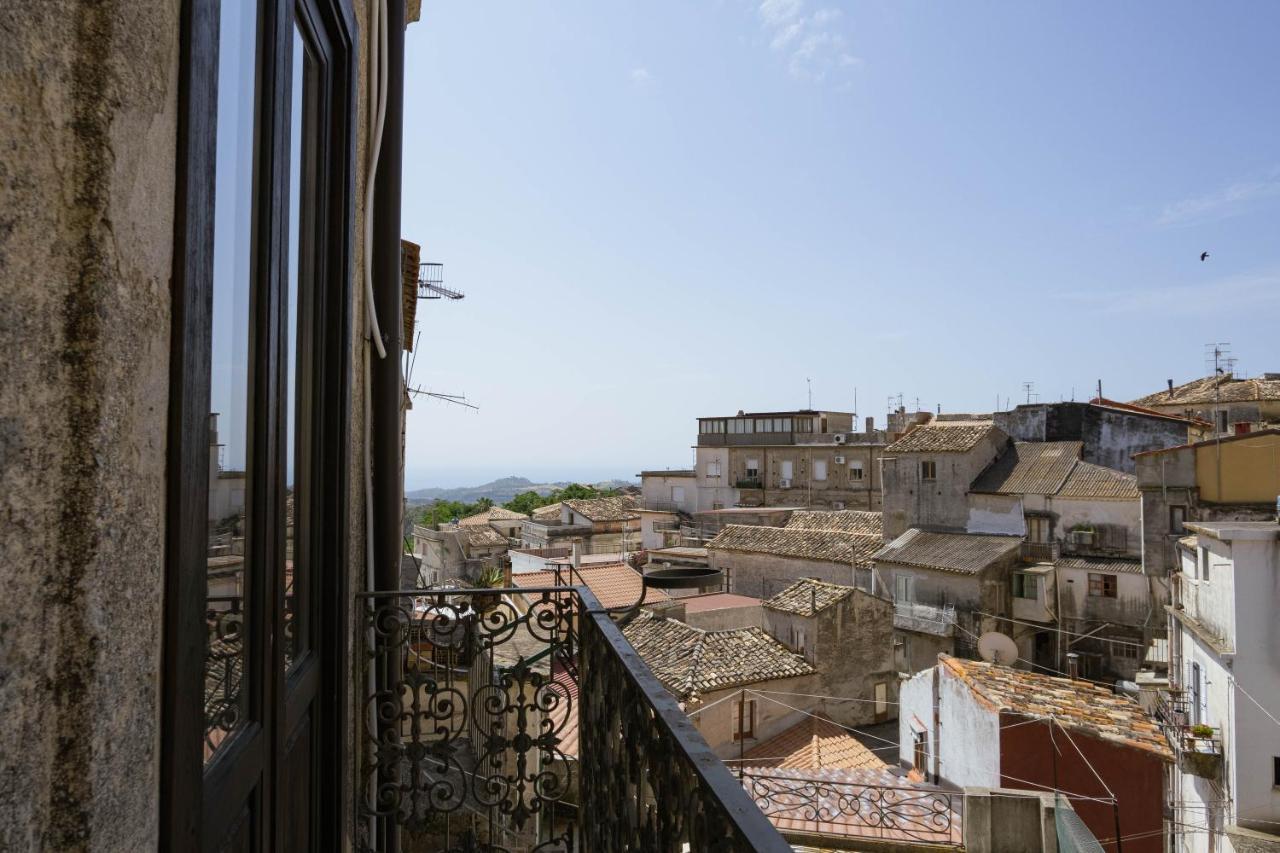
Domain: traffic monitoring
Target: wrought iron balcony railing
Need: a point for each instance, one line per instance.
(839, 803)
(505, 719)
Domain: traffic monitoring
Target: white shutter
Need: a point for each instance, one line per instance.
(787, 470)
(819, 469)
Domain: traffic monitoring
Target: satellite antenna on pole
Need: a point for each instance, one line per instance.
(994, 647)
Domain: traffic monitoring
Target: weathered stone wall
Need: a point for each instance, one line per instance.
(86, 227)
(938, 504)
(1110, 436)
(763, 575)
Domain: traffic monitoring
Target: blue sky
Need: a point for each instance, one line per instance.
(662, 210)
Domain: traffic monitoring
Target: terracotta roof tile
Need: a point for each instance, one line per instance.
(482, 537)
(1030, 468)
(493, 513)
(550, 512)
(616, 585)
(1079, 706)
(843, 520)
(1087, 480)
(1100, 564)
(965, 553)
(621, 508)
(942, 438)
(813, 743)
(1211, 389)
(827, 545)
(807, 597)
(689, 661)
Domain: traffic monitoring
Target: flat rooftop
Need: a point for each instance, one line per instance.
(1236, 529)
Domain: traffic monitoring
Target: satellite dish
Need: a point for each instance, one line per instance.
(995, 647)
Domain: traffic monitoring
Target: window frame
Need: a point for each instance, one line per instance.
(744, 719)
(928, 470)
(1103, 585)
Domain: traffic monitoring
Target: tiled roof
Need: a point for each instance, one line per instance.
(1087, 480)
(493, 513)
(620, 508)
(942, 438)
(1078, 705)
(716, 601)
(1214, 389)
(966, 553)
(564, 714)
(1101, 564)
(813, 743)
(807, 597)
(1030, 468)
(689, 661)
(845, 520)
(482, 537)
(550, 512)
(616, 585)
(826, 545)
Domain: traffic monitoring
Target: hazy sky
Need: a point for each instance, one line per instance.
(660, 210)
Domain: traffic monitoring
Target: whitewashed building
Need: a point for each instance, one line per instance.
(1222, 709)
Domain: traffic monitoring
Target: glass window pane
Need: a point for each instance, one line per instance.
(295, 580)
(225, 700)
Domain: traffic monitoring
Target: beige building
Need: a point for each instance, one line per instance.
(594, 525)
(927, 474)
(762, 561)
(803, 458)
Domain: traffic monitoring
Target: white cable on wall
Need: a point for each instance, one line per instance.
(378, 41)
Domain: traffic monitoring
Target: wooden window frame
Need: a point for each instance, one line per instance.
(185, 808)
(744, 720)
(928, 470)
(1102, 585)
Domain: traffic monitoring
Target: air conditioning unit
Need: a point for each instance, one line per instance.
(839, 460)
(839, 438)
(784, 483)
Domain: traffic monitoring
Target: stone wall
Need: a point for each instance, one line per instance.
(86, 235)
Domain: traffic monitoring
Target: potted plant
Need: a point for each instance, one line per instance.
(490, 577)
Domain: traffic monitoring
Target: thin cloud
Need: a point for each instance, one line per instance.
(1249, 290)
(1224, 203)
(814, 43)
(641, 78)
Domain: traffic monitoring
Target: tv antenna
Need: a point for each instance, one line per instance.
(1218, 357)
(1029, 388)
(431, 283)
(456, 399)
(809, 384)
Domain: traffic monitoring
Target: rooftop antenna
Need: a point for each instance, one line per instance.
(431, 283)
(456, 399)
(1030, 388)
(809, 384)
(1219, 356)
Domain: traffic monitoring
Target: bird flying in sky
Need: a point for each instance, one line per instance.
(1203, 255)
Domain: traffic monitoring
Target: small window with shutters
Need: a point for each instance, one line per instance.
(819, 469)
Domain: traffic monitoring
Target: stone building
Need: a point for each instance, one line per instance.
(594, 525)
(948, 589)
(1109, 433)
(761, 561)
(1232, 405)
(800, 458)
(927, 474)
(847, 635)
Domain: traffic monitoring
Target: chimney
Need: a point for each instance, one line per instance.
(871, 424)
(1073, 665)
(1170, 381)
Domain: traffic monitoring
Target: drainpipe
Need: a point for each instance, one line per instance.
(387, 385)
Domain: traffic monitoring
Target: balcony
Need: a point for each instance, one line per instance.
(924, 618)
(1035, 552)
(1198, 747)
(749, 483)
(522, 719)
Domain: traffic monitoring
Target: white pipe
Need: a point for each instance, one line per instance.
(378, 74)
(378, 44)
